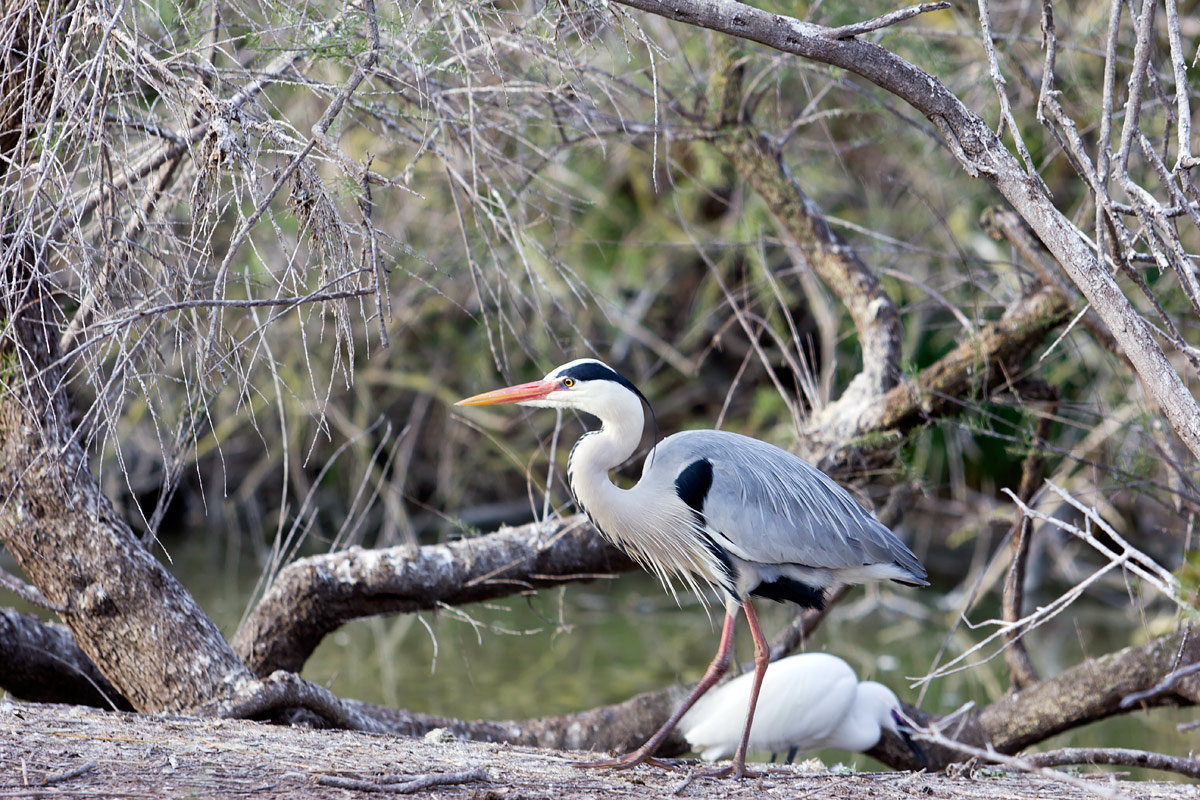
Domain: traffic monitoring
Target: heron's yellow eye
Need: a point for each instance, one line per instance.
(568, 382)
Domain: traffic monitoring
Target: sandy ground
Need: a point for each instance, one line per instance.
(65, 751)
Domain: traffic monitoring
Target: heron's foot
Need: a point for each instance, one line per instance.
(627, 761)
(734, 771)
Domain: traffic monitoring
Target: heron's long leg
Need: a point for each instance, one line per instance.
(762, 656)
(718, 667)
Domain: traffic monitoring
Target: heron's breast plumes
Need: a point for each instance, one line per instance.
(667, 543)
(650, 523)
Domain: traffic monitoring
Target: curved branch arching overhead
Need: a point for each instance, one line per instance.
(980, 152)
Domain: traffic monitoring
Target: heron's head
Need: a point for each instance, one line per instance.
(585, 385)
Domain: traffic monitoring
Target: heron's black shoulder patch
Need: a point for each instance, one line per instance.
(693, 482)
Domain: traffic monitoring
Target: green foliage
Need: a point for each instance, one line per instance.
(10, 370)
(1189, 582)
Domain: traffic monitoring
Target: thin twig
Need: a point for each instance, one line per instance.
(175, 146)
(1166, 684)
(404, 784)
(891, 18)
(1182, 262)
(1118, 233)
(1173, 210)
(289, 303)
(1016, 656)
(1104, 140)
(1137, 83)
(1050, 42)
(1184, 158)
(1118, 756)
(687, 781)
(61, 777)
(132, 232)
(935, 736)
(1006, 115)
(1134, 559)
(30, 594)
(1129, 558)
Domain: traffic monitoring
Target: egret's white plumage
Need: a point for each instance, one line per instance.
(738, 514)
(807, 702)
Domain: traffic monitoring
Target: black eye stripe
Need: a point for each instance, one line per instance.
(595, 371)
(592, 371)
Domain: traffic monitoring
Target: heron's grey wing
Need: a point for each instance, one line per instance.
(773, 507)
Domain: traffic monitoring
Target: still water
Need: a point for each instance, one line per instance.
(590, 644)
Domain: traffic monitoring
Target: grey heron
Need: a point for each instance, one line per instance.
(740, 515)
(807, 702)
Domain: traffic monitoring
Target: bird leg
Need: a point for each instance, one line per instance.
(718, 667)
(762, 657)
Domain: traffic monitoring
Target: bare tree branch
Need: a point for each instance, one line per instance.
(999, 84)
(1016, 655)
(885, 20)
(282, 691)
(1082, 694)
(404, 784)
(42, 663)
(978, 365)
(1050, 43)
(1118, 756)
(1142, 50)
(314, 596)
(1183, 112)
(980, 153)
(1165, 685)
(841, 269)
(23, 590)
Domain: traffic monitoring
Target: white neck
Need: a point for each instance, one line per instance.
(858, 732)
(654, 528)
(870, 713)
(600, 451)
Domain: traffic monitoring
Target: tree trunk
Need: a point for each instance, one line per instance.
(128, 614)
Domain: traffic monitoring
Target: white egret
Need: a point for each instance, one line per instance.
(807, 702)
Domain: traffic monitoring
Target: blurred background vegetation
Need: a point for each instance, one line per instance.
(543, 186)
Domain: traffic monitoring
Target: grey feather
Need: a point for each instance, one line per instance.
(771, 508)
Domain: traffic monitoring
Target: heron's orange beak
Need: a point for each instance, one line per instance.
(535, 390)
